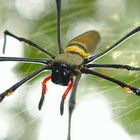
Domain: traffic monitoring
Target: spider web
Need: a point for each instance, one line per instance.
(103, 110)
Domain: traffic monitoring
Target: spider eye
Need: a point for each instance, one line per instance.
(57, 71)
(64, 73)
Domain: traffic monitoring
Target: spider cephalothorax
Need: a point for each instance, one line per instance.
(61, 74)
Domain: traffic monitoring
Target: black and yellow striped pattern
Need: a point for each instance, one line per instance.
(84, 43)
(77, 48)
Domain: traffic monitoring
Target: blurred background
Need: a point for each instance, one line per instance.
(103, 110)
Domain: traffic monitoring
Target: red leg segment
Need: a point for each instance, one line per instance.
(44, 84)
(43, 92)
(65, 95)
(68, 89)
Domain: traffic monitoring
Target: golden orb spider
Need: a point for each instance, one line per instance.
(68, 66)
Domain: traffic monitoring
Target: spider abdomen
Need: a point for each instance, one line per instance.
(84, 43)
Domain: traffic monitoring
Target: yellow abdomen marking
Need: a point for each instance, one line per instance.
(76, 49)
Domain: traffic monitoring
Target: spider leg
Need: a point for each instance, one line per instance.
(125, 86)
(137, 29)
(26, 41)
(114, 66)
(58, 4)
(18, 84)
(28, 60)
(43, 92)
(72, 103)
(64, 96)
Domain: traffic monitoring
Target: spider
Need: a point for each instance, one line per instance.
(68, 66)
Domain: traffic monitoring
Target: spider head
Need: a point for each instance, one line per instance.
(61, 74)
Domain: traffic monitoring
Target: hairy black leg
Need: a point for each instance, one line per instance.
(58, 3)
(18, 84)
(72, 103)
(92, 58)
(114, 66)
(26, 41)
(125, 86)
(28, 60)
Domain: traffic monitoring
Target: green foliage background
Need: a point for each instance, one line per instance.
(112, 21)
